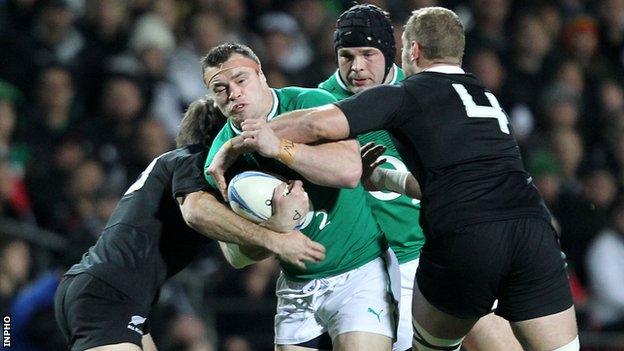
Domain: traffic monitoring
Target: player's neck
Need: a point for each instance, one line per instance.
(432, 64)
(267, 105)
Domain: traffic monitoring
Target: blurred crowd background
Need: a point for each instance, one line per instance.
(92, 90)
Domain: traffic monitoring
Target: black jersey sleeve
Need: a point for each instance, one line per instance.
(187, 175)
(373, 109)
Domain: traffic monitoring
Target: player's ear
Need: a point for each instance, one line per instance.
(415, 51)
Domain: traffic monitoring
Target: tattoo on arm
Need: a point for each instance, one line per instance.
(297, 216)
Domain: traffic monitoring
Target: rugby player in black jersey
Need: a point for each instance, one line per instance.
(160, 225)
(489, 234)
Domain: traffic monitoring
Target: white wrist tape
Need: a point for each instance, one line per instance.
(393, 180)
(234, 256)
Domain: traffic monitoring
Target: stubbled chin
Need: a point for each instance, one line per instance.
(237, 119)
(243, 116)
(358, 89)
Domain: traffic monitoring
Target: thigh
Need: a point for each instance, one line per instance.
(99, 315)
(436, 323)
(547, 332)
(362, 302)
(296, 316)
(491, 333)
(536, 284)
(362, 341)
(404, 328)
(460, 272)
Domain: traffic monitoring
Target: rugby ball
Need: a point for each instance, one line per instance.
(250, 195)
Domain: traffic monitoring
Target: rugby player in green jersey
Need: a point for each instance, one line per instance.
(345, 296)
(364, 44)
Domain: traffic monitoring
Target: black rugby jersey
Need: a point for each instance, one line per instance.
(456, 141)
(146, 240)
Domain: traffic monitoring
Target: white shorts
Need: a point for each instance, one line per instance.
(358, 300)
(405, 332)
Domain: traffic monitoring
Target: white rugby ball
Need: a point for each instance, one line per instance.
(250, 195)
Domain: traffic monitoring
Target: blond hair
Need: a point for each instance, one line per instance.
(439, 33)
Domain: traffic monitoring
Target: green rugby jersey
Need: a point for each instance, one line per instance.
(397, 214)
(340, 219)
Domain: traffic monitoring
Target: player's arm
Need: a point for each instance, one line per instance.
(233, 233)
(220, 160)
(204, 213)
(398, 181)
(289, 208)
(373, 109)
(376, 178)
(335, 164)
(308, 126)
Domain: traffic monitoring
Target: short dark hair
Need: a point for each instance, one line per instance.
(201, 120)
(221, 53)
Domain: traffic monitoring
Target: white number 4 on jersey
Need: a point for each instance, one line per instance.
(479, 111)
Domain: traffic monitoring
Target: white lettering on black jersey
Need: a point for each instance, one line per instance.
(456, 140)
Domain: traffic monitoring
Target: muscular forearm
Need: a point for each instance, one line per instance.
(307, 126)
(294, 126)
(211, 218)
(334, 164)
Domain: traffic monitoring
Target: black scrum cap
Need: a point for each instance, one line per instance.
(366, 25)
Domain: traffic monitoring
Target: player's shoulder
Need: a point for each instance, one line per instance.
(190, 150)
(328, 83)
(433, 79)
(300, 95)
(331, 84)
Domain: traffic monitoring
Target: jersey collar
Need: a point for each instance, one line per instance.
(269, 117)
(446, 69)
(395, 78)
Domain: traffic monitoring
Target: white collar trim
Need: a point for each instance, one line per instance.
(270, 116)
(395, 79)
(340, 82)
(273, 112)
(446, 69)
